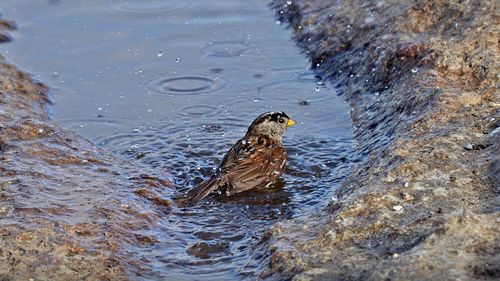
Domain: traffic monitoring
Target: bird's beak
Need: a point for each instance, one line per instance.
(291, 122)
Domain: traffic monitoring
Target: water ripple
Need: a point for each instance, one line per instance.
(186, 85)
(226, 48)
(149, 7)
(199, 110)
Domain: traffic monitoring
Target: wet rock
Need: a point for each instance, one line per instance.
(415, 206)
(7, 25)
(4, 38)
(206, 250)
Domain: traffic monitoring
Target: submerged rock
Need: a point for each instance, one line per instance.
(422, 79)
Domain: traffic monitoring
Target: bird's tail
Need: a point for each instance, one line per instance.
(202, 190)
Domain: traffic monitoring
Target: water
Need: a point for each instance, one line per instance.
(172, 85)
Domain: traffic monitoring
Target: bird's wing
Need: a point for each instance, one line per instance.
(217, 181)
(246, 166)
(252, 166)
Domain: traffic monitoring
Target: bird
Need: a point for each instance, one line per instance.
(256, 161)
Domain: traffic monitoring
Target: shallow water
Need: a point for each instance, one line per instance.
(172, 85)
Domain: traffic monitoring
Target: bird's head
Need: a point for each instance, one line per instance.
(271, 124)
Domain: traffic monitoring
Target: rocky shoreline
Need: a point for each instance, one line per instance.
(66, 207)
(423, 204)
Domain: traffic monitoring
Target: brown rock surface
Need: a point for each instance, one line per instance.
(67, 209)
(423, 203)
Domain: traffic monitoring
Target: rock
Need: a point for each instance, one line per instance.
(434, 65)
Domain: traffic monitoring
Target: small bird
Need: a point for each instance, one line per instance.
(253, 162)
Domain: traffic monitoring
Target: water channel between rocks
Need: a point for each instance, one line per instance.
(172, 85)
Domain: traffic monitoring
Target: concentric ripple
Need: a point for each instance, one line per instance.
(283, 92)
(199, 110)
(186, 85)
(226, 48)
(149, 7)
(98, 126)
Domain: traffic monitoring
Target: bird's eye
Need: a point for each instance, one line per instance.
(282, 120)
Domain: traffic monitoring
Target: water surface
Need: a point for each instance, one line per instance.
(172, 85)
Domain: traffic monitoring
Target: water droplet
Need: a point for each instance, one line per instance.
(397, 208)
(159, 54)
(278, 22)
(289, 2)
(256, 100)
(177, 59)
(414, 70)
(317, 89)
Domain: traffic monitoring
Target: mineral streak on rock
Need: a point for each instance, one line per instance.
(68, 211)
(422, 78)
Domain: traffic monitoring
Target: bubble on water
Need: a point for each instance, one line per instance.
(289, 2)
(177, 59)
(159, 54)
(316, 89)
(256, 100)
